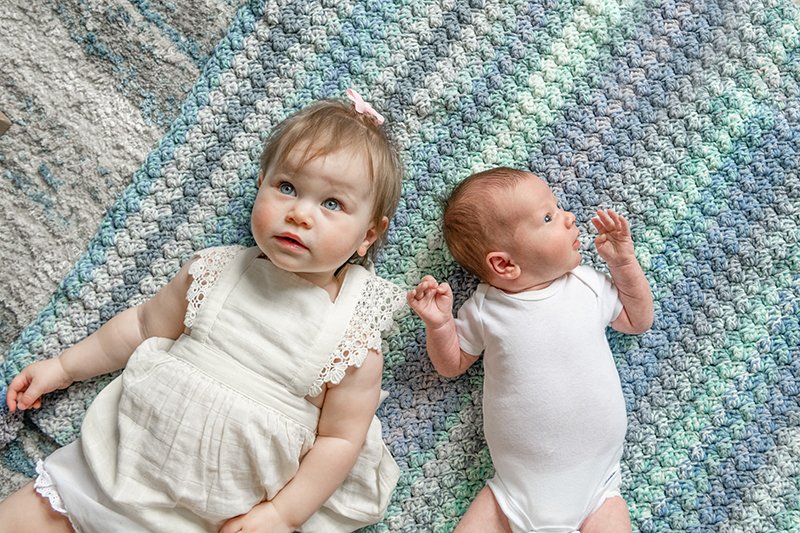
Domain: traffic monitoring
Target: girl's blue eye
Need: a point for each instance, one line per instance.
(332, 204)
(548, 218)
(286, 188)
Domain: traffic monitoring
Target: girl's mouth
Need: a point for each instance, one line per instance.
(291, 241)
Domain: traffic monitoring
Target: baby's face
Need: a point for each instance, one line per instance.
(545, 239)
(311, 218)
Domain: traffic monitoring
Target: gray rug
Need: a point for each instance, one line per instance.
(90, 87)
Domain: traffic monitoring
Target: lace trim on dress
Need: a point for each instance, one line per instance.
(205, 271)
(379, 301)
(43, 484)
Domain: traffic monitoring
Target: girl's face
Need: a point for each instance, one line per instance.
(310, 220)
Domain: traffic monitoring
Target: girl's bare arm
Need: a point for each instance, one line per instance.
(108, 348)
(345, 418)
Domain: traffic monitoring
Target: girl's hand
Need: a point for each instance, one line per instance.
(35, 380)
(432, 301)
(262, 517)
(614, 242)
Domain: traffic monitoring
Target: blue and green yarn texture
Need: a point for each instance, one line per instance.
(683, 116)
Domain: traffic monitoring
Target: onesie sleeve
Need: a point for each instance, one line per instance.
(469, 323)
(206, 267)
(604, 289)
(610, 304)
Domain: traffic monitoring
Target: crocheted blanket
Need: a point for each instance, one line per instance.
(683, 116)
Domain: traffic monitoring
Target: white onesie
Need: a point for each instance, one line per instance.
(554, 414)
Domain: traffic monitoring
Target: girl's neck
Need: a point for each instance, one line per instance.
(330, 284)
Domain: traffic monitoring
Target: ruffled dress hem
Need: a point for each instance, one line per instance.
(46, 488)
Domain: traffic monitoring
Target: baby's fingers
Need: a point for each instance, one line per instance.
(620, 221)
(444, 293)
(603, 221)
(424, 287)
(609, 220)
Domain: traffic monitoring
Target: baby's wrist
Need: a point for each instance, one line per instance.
(627, 263)
(438, 325)
(621, 262)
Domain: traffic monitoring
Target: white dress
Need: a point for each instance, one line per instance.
(201, 429)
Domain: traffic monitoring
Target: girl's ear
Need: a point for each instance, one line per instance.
(372, 234)
(260, 178)
(502, 265)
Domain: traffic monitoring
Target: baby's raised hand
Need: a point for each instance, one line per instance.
(432, 301)
(613, 242)
(35, 380)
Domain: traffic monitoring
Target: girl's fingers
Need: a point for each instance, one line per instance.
(15, 390)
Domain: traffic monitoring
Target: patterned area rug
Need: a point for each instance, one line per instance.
(684, 116)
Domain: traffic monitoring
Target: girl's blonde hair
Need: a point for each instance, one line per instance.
(475, 219)
(327, 126)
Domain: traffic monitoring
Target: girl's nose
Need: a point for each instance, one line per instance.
(570, 218)
(299, 214)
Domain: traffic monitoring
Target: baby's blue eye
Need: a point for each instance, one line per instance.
(548, 218)
(286, 188)
(332, 204)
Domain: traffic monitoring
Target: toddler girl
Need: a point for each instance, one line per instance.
(251, 380)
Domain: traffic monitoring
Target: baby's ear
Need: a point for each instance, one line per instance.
(260, 178)
(502, 265)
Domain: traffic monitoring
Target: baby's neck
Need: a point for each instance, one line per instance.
(523, 284)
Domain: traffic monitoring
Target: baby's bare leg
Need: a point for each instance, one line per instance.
(484, 516)
(611, 517)
(25, 510)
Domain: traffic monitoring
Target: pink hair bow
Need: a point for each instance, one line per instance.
(363, 107)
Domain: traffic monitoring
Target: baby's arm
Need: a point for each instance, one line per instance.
(107, 349)
(433, 302)
(615, 246)
(345, 418)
